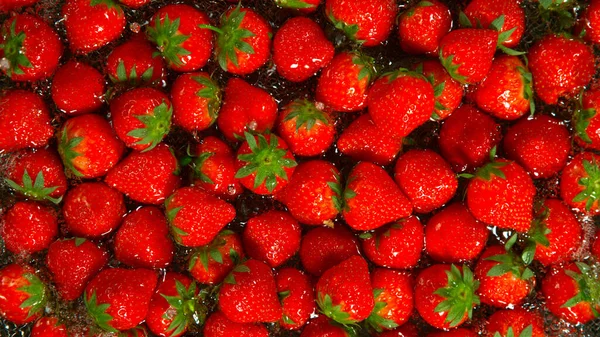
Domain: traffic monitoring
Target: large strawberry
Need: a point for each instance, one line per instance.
(394, 299)
(579, 183)
(272, 237)
(24, 295)
(516, 322)
(134, 62)
(297, 298)
(28, 227)
(448, 92)
(483, 13)
(324, 247)
(196, 101)
(77, 88)
(211, 263)
(367, 22)
(49, 326)
(398, 245)
(218, 325)
(422, 26)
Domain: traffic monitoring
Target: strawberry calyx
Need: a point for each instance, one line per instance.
(131, 78)
(375, 321)
(537, 235)
(294, 4)
(489, 170)
(165, 34)
(412, 10)
(212, 93)
(98, 312)
(186, 309)
(588, 285)
(156, 126)
(582, 118)
(459, 295)
(110, 4)
(366, 64)
(451, 67)
(38, 294)
(171, 213)
(334, 312)
(527, 332)
(378, 234)
(527, 79)
(350, 30)
(197, 165)
(13, 50)
(558, 13)
(509, 262)
(306, 114)
(34, 189)
(211, 251)
(240, 268)
(66, 150)
(497, 25)
(590, 183)
(401, 72)
(339, 194)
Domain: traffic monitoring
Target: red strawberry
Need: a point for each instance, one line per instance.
(297, 298)
(312, 194)
(93, 210)
(363, 140)
(421, 28)
(401, 101)
(445, 295)
(9, 5)
(73, 263)
(540, 144)
(118, 299)
(372, 199)
(210, 264)
(343, 83)
(24, 295)
(515, 322)
(31, 48)
(325, 247)
(578, 183)
(465, 146)
(302, 6)
(307, 130)
(344, 292)
(454, 235)
(77, 88)
(243, 40)
(324, 327)
(367, 22)
(24, 119)
(148, 177)
(393, 299)
(398, 245)
(406, 330)
(92, 24)
(485, 12)
(88, 146)
(300, 49)
(426, 179)
(246, 108)
(134, 62)
(249, 294)
(195, 217)
(28, 227)
(49, 327)
(448, 92)
(561, 66)
(196, 101)
(218, 325)
(585, 118)
(272, 237)
(37, 174)
(460, 332)
(177, 32)
(143, 239)
(589, 22)
(141, 118)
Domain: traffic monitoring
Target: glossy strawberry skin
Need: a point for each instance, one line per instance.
(137, 57)
(192, 110)
(406, 330)
(396, 292)
(323, 247)
(229, 246)
(484, 13)
(587, 128)
(13, 278)
(49, 326)
(28, 227)
(570, 185)
(421, 28)
(73, 263)
(272, 237)
(35, 161)
(450, 98)
(406, 236)
(15, 4)
(78, 88)
(161, 314)
(518, 319)
(214, 169)
(134, 3)
(322, 326)
(590, 22)
(460, 332)
(302, 139)
(218, 325)
(298, 304)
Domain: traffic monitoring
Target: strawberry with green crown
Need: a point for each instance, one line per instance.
(323, 326)
(516, 322)
(422, 26)
(28, 227)
(78, 88)
(394, 299)
(483, 13)
(301, 6)
(134, 62)
(585, 118)
(49, 326)
(297, 297)
(579, 183)
(448, 92)
(196, 101)
(210, 264)
(24, 295)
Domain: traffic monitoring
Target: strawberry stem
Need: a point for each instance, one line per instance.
(459, 295)
(13, 50)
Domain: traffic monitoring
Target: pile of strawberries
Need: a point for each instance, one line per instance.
(156, 185)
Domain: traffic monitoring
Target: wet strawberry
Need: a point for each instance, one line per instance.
(78, 88)
(49, 326)
(515, 322)
(585, 118)
(302, 6)
(324, 247)
(406, 330)
(9, 5)
(589, 22)
(460, 332)
(297, 298)
(211, 263)
(322, 326)
(218, 325)
(134, 62)
(448, 92)
(483, 13)
(422, 26)
(578, 183)
(24, 295)
(134, 3)
(196, 101)
(28, 227)
(394, 302)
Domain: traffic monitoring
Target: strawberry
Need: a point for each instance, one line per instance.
(218, 325)
(92, 24)
(264, 164)
(177, 32)
(343, 83)
(426, 179)
(589, 22)
(249, 294)
(37, 174)
(363, 140)
(243, 40)
(363, 21)
(321, 326)
(307, 130)
(134, 3)
(454, 235)
(148, 177)
(393, 292)
(118, 299)
(211, 263)
(9, 5)
(73, 263)
(484, 13)
(401, 101)
(272, 237)
(196, 101)
(49, 326)
(344, 291)
(372, 199)
(501, 194)
(406, 330)
(77, 88)
(445, 295)
(464, 146)
(297, 298)
(561, 66)
(300, 49)
(28, 227)
(540, 144)
(31, 48)
(24, 119)
(143, 240)
(141, 118)
(516, 322)
(460, 332)
(324, 247)
(578, 183)
(398, 245)
(506, 92)
(311, 195)
(93, 210)
(421, 27)
(134, 62)
(448, 92)
(302, 6)
(24, 295)
(585, 121)
(246, 108)
(195, 217)
(570, 292)
(88, 146)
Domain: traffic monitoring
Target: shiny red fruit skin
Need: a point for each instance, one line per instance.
(135, 3)
(78, 88)
(398, 294)
(219, 168)
(49, 326)
(460, 332)
(451, 96)
(569, 182)
(136, 53)
(218, 325)
(565, 234)
(304, 141)
(299, 305)
(231, 242)
(591, 100)
(421, 28)
(159, 307)
(323, 327)
(28, 227)
(590, 22)
(12, 277)
(518, 319)
(324, 247)
(481, 12)
(396, 246)
(9, 5)
(35, 161)
(191, 111)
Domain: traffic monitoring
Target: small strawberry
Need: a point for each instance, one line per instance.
(92, 24)
(406, 330)
(249, 294)
(516, 323)
(324, 247)
(589, 22)
(77, 88)
(31, 47)
(421, 27)
(454, 235)
(585, 118)
(300, 49)
(398, 245)
(49, 326)
(448, 92)
(28, 227)
(579, 183)
(302, 6)
(177, 32)
(135, 3)
(93, 210)
(211, 263)
(394, 302)
(297, 298)
(196, 101)
(148, 177)
(485, 12)
(9, 5)
(306, 129)
(73, 263)
(372, 199)
(24, 295)
(321, 326)
(218, 325)
(367, 22)
(134, 62)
